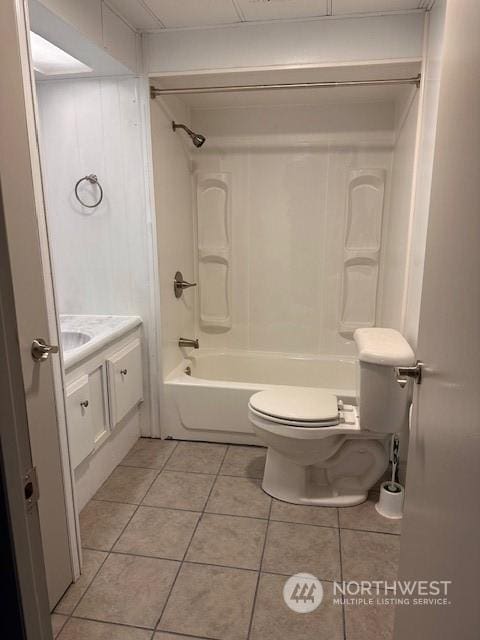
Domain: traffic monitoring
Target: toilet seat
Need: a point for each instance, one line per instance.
(296, 407)
(293, 423)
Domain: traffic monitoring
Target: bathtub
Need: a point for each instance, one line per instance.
(210, 401)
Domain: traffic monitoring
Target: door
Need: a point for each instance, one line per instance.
(440, 539)
(25, 609)
(29, 261)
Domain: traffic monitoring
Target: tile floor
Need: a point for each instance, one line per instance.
(181, 542)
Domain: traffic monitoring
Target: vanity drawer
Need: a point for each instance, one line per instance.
(81, 439)
(125, 380)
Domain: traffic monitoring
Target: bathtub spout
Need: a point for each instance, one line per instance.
(188, 342)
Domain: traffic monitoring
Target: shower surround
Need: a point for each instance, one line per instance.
(289, 213)
(293, 219)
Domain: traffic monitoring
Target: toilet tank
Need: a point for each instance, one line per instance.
(383, 404)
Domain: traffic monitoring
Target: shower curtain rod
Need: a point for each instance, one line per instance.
(296, 85)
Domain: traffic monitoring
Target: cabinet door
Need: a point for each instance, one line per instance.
(80, 429)
(98, 405)
(125, 380)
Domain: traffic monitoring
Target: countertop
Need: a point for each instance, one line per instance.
(100, 329)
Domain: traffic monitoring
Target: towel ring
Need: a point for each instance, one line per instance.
(93, 180)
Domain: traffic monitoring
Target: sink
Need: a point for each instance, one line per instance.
(73, 339)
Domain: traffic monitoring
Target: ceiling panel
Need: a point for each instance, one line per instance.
(136, 14)
(157, 14)
(340, 7)
(194, 13)
(281, 9)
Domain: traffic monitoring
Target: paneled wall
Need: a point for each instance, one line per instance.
(101, 256)
(90, 31)
(299, 277)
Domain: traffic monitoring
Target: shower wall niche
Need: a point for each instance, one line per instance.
(363, 237)
(213, 210)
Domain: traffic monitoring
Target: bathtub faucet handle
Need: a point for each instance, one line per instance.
(188, 342)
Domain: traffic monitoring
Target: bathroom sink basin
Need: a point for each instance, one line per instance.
(73, 339)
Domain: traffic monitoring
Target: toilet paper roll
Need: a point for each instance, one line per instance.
(390, 504)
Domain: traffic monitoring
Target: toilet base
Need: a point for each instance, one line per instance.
(326, 484)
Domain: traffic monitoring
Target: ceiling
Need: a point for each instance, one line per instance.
(152, 15)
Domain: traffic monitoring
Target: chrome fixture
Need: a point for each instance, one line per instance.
(92, 179)
(41, 350)
(197, 138)
(404, 373)
(179, 284)
(290, 85)
(188, 371)
(188, 342)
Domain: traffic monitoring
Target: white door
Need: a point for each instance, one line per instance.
(441, 534)
(23, 206)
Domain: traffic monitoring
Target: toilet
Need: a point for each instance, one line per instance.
(327, 453)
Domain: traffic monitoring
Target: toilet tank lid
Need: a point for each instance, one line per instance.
(383, 346)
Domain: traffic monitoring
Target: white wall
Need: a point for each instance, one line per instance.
(174, 223)
(396, 245)
(90, 31)
(289, 169)
(101, 256)
(285, 44)
(431, 75)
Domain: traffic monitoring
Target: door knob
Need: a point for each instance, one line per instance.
(41, 350)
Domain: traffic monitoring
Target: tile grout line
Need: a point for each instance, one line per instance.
(227, 447)
(124, 625)
(240, 477)
(109, 552)
(67, 618)
(307, 524)
(70, 615)
(254, 603)
(206, 564)
(201, 514)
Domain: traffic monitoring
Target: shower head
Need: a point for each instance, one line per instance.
(197, 138)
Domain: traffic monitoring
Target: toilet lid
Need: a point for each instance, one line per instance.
(294, 423)
(296, 404)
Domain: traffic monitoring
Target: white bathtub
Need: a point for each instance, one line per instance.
(211, 403)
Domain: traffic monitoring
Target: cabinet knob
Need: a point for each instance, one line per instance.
(123, 372)
(84, 404)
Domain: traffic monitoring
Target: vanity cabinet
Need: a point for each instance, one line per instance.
(79, 412)
(100, 392)
(125, 380)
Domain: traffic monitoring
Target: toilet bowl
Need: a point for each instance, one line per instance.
(322, 451)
